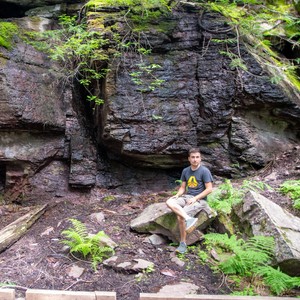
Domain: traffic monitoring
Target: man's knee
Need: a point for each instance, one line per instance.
(170, 202)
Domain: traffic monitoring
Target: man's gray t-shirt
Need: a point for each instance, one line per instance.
(195, 180)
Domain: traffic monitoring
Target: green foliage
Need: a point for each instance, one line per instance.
(7, 284)
(257, 23)
(203, 256)
(256, 186)
(226, 196)
(7, 32)
(250, 258)
(145, 78)
(144, 6)
(139, 13)
(292, 189)
(223, 241)
(89, 246)
(277, 281)
(246, 256)
(139, 16)
(249, 291)
(78, 51)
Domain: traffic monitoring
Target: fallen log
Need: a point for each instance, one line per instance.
(15, 230)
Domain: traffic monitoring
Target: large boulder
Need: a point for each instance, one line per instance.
(158, 218)
(264, 217)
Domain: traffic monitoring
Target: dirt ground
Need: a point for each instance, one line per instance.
(39, 260)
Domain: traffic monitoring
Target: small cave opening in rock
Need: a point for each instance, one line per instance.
(291, 51)
(2, 177)
(11, 10)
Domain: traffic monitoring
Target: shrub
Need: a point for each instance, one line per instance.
(252, 259)
(292, 189)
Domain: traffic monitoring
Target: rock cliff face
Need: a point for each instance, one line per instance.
(236, 117)
(239, 119)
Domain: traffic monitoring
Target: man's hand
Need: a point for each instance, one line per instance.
(191, 201)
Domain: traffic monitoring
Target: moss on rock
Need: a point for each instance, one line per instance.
(7, 31)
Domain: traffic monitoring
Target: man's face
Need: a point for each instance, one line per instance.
(195, 159)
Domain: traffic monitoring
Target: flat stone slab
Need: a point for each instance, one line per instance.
(131, 265)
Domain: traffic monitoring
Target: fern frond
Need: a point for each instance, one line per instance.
(234, 265)
(292, 189)
(79, 241)
(244, 262)
(223, 241)
(72, 237)
(225, 197)
(278, 281)
(97, 237)
(262, 244)
(255, 186)
(84, 248)
(246, 256)
(79, 227)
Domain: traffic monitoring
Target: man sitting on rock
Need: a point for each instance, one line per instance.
(196, 184)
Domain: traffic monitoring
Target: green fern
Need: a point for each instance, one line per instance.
(226, 196)
(292, 189)
(223, 198)
(75, 236)
(89, 246)
(246, 256)
(223, 241)
(277, 281)
(256, 186)
(244, 262)
(251, 258)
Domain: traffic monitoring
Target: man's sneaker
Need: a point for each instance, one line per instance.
(181, 248)
(190, 224)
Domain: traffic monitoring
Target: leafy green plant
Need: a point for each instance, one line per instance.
(203, 256)
(226, 196)
(138, 16)
(144, 274)
(244, 256)
(277, 281)
(82, 243)
(251, 258)
(292, 189)
(79, 52)
(7, 284)
(248, 291)
(261, 25)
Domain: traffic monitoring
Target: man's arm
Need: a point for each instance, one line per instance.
(181, 190)
(208, 190)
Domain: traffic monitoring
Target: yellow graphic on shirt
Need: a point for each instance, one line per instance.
(192, 182)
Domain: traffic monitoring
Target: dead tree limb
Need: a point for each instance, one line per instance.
(15, 230)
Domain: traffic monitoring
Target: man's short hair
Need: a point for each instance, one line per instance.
(194, 150)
